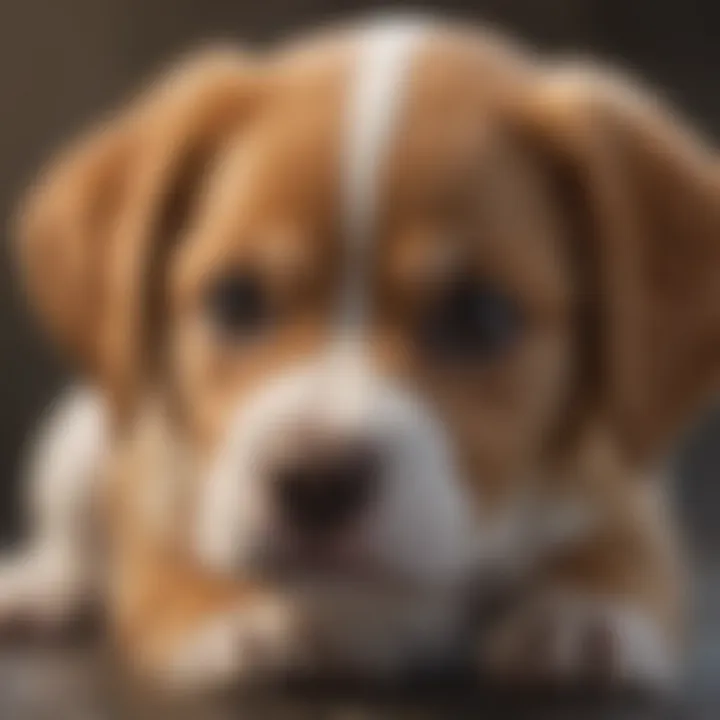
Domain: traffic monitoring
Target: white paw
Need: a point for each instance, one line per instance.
(247, 646)
(42, 591)
(568, 638)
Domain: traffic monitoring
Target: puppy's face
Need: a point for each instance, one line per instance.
(372, 395)
(368, 314)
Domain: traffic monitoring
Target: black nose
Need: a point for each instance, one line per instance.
(327, 489)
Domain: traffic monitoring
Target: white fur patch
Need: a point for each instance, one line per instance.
(48, 582)
(566, 636)
(420, 526)
(377, 91)
(44, 587)
(640, 651)
(64, 464)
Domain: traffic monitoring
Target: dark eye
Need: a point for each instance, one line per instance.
(238, 306)
(471, 320)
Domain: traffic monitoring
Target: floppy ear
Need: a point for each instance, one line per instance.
(94, 232)
(646, 191)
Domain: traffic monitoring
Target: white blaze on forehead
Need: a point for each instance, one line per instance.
(377, 90)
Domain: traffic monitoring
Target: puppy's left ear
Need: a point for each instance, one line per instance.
(644, 195)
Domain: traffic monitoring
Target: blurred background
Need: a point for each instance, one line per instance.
(63, 62)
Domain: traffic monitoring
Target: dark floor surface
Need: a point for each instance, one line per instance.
(77, 684)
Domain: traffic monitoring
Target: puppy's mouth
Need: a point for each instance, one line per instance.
(342, 558)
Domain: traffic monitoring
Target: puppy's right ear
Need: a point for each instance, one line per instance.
(93, 231)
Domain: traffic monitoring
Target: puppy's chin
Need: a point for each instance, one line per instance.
(417, 529)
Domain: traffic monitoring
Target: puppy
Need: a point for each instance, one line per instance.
(364, 322)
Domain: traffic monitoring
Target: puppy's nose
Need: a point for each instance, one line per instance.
(327, 489)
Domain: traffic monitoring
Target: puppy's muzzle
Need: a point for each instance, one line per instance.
(336, 466)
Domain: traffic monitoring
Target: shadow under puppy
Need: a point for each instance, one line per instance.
(370, 317)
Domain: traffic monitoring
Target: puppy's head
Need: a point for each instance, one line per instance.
(384, 285)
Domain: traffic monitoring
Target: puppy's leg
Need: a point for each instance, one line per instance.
(184, 629)
(605, 611)
(45, 584)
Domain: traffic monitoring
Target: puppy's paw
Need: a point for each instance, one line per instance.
(565, 639)
(247, 646)
(43, 595)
